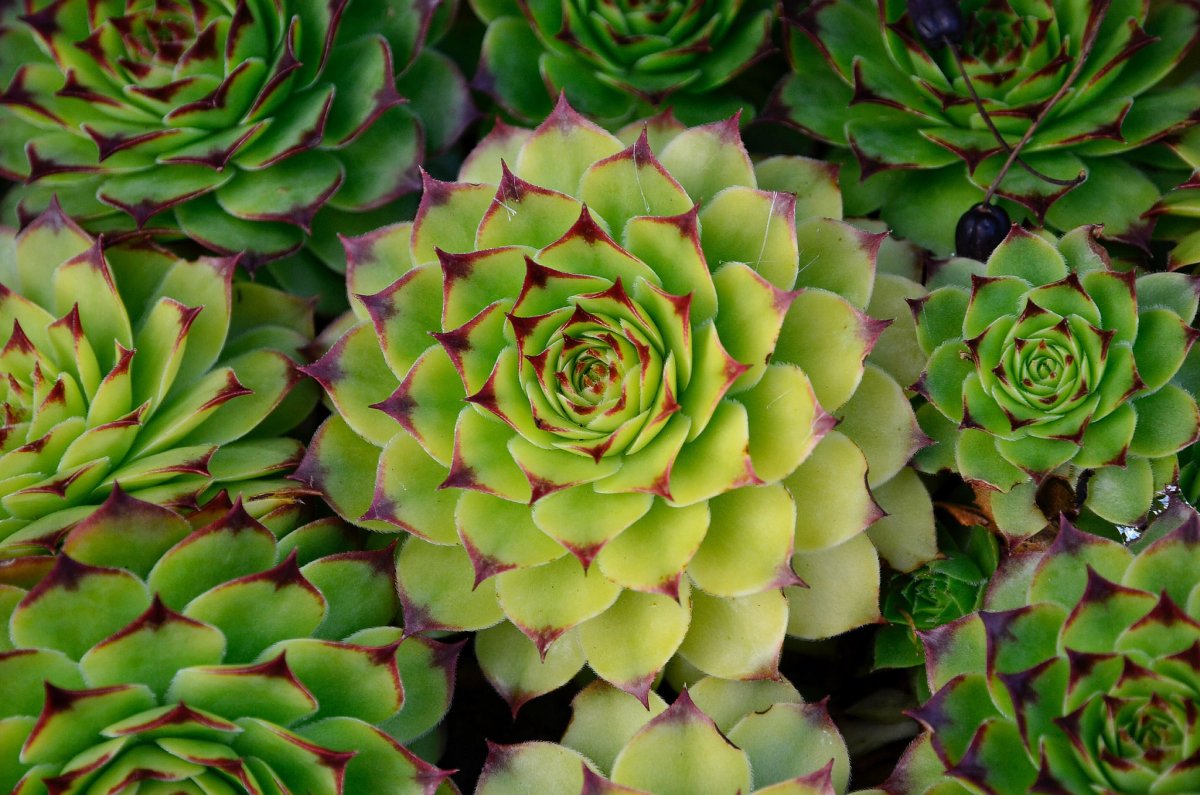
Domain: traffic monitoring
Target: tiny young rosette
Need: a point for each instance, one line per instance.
(941, 591)
(916, 148)
(617, 61)
(578, 372)
(1079, 676)
(1048, 363)
(718, 737)
(132, 366)
(213, 659)
(245, 126)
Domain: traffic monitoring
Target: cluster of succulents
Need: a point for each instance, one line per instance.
(684, 367)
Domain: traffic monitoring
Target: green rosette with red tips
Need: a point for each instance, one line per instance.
(617, 392)
(1084, 89)
(131, 366)
(1079, 676)
(1046, 363)
(249, 127)
(213, 659)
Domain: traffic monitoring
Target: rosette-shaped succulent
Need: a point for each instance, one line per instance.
(235, 123)
(1047, 362)
(865, 80)
(130, 366)
(213, 660)
(937, 593)
(719, 738)
(617, 60)
(583, 393)
(1079, 677)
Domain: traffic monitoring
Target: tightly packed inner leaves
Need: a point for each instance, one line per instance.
(555, 411)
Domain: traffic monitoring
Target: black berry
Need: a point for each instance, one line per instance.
(980, 230)
(937, 21)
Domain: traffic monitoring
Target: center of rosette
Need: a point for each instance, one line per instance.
(150, 34)
(1047, 366)
(595, 374)
(1149, 732)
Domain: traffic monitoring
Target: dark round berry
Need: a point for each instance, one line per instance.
(937, 21)
(980, 230)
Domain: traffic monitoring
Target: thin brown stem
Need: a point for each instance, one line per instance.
(987, 119)
(1089, 41)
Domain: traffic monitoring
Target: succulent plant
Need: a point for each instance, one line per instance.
(244, 126)
(617, 378)
(1080, 676)
(1047, 363)
(941, 591)
(918, 149)
(615, 61)
(212, 660)
(719, 737)
(130, 366)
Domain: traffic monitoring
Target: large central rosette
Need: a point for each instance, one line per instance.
(622, 388)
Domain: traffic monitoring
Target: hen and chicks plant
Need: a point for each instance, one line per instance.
(597, 382)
